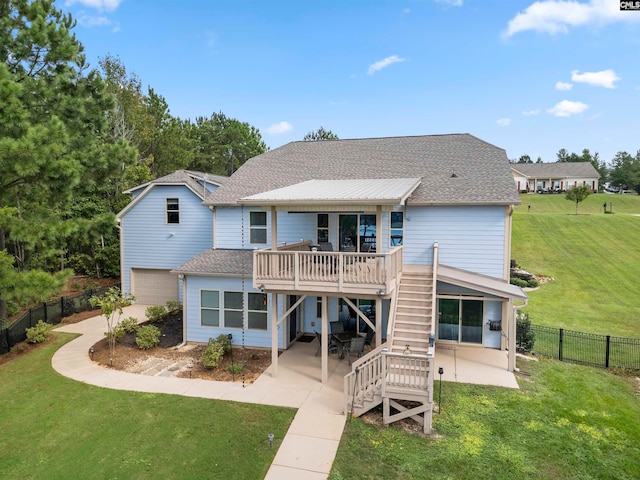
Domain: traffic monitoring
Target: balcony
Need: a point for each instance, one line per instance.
(294, 268)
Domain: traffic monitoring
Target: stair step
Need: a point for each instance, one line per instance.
(419, 350)
(412, 315)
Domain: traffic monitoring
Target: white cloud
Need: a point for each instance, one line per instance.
(529, 113)
(504, 122)
(454, 3)
(566, 108)
(89, 21)
(380, 64)
(406, 11)
(556, 16)
(605, 78)
(563, 86)
(101, 5)
(278, 128)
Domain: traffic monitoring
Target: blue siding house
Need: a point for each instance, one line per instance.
(403, 239)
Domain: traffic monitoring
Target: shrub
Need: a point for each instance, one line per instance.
(525, 337)
(12, 308)
(156, 313)
(118, 333)
(148, 337)
(129, 325)
(173, 306)
(533, 283)
(236, 368)
(518, 282)
(223, 340)
(39, 333)
(212, 354)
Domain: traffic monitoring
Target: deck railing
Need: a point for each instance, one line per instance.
(342, 268)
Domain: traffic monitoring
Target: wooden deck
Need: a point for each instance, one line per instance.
(330, 272)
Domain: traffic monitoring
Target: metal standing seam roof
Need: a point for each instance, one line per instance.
(556, 170)
(482, 283)
(457, 169)
(379, 191)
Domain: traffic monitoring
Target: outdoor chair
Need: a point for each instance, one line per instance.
(370, 335)
(336, 327)
(325, 247)
(355, 347)
(332, 346)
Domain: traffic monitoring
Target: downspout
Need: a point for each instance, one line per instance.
(184, 313)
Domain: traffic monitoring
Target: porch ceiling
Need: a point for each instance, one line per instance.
(482, 283)
(381, 191)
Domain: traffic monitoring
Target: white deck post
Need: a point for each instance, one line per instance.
(325, 341)
(511, 353)
(378, 322)
(274, 334)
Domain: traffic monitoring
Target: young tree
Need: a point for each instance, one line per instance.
(111, 305)
(577, 194)
(320, 134)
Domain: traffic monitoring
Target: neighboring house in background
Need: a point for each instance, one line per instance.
(408, 237)
(554, 177)
(164, 225)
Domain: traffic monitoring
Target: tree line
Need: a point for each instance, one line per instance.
(623, 171)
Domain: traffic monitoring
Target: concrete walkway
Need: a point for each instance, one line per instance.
(310, 445)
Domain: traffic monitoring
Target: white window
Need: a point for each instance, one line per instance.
(210, 308)
(257, 227)
(322, 228)
(396, 235)
(173, 210)
(257, 314)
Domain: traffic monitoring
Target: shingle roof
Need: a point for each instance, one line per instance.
(557, 170)
(482, 170)
(187, 177)
(219, 262)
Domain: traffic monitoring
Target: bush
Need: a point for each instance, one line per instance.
(212, 354)
(223, 340)
(518, 282)
(118, 332)
(533, 283)
(173, 306)
(39, 333)
(129, 325)
(236, 368)
(525, 337)
(148, 337)
(156, 313)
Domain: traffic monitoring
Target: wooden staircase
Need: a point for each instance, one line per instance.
(391, 373)
(413, 314)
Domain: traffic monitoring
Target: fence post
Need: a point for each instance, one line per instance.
(46, 316)
(61, 307)
(606, 358)
(560, 344)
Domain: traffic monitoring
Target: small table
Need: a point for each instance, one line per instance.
(343, 338)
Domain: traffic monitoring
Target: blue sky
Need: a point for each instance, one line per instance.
(530, 77)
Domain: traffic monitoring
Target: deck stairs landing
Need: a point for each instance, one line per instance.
(390, 373)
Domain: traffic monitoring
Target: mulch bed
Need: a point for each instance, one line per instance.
(128, 355)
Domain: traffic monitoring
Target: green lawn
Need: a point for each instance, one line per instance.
(52, 427)
(566, 422)
(594, 259)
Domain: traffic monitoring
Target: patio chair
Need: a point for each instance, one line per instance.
(336, 327)
(325, 247)
(370, 335)
(332, 346)
(355, 347)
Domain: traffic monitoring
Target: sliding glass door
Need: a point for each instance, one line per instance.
(357, 232)
(460, 320)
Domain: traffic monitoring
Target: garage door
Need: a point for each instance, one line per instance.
(154, 287)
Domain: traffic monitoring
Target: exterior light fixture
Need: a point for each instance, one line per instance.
(91, 352)
(270, 437)
(440, 372)
(432, 340)
(407, 350)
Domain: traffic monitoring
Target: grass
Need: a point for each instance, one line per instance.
(56, 428)
(594, 259)
(566, 421)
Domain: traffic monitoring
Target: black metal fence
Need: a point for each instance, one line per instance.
(49, 312)
(605, 351)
